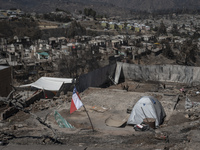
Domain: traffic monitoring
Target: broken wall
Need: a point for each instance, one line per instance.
(27, 102)
(5, 80)
(167, 73)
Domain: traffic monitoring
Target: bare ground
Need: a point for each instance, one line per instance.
(181, 126)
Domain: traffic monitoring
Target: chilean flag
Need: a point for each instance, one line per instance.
(76, 101)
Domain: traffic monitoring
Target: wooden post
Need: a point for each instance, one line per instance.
(89, 118)
(177, 100)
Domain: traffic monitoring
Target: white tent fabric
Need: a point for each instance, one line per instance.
(49, 83)
(152, 109)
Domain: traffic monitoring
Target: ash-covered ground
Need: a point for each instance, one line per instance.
(180, 129)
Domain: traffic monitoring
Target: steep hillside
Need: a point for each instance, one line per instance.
(112, 7)
(154, 5)
(50, 5)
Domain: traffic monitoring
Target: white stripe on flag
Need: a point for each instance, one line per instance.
(77, 101)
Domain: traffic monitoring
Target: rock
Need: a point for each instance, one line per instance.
(62, 93)
(20, 125)
(187, 116)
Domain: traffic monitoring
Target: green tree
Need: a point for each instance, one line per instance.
(89, 12)
(167, 51)
(162, 29)
(75, 29)
(5, 29)
(20, 28)
(174, 30)
(189, 50)
(86, 12)
(116, 27)
(125, 25)
(93, 13)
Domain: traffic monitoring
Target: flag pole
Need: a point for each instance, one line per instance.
(89, 118)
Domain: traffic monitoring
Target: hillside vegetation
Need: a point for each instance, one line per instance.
(20, 28)
(110, 7)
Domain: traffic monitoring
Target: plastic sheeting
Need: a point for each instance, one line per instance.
(49, 83)
(61, 121)
(96, 78)
(117, 72)
(168, 73)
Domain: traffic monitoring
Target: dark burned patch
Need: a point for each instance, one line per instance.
(2, 107)
(18, 117)
(185, 130)
(93, 138)
(27, 137)
(87, 138)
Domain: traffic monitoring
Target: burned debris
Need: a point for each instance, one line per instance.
(114, 64)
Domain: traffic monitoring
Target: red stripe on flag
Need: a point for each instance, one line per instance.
(73, 107)
(76, 102)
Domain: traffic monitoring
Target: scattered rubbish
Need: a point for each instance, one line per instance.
(3, 143)
(192, 116)
(182, 89)
(189, 104)
(161, 136)
(141, 127)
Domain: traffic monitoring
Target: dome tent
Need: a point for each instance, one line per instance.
(149, 107)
